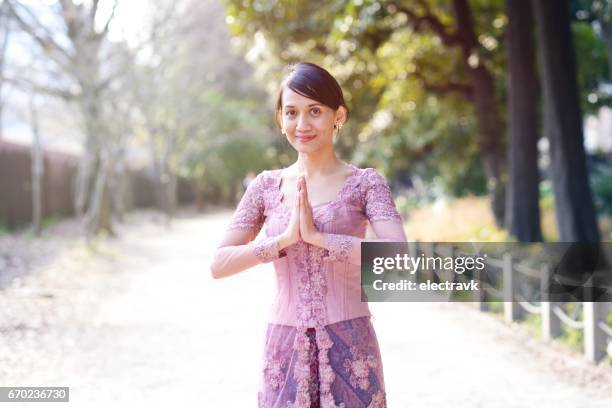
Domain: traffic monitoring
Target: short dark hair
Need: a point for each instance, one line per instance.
(314, 82)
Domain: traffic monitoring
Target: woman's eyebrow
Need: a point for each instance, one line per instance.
(312, 104)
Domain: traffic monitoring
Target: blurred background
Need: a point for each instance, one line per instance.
(129, 129)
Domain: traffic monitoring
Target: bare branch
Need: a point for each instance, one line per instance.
(110, 18)
(72, 18)
(38, 88)
(49, 46)
(93, 11)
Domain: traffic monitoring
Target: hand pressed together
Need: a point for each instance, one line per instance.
(301, 224)
(308, 231)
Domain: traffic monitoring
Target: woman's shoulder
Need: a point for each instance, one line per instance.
(266, 178)
(369, 176)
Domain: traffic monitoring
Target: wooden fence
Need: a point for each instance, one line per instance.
(60, 171)
(596, 332)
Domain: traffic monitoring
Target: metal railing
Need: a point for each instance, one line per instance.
(596, 332)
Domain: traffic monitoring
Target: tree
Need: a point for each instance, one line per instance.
(574, 207)
(522, 210)
(72, 39)
(439, 51)
(195, 100)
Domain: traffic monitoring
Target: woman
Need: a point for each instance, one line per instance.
(321, 349)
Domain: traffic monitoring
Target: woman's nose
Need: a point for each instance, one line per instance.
(303, 122)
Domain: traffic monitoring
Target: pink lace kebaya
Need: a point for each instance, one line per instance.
(321, 349)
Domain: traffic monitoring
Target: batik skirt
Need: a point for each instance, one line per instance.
(333, 366)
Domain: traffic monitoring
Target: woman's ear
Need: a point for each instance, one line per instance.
(340, 116)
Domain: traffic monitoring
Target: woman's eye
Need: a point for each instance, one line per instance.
(315, 111)
(290, 113)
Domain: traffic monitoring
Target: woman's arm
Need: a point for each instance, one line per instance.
(348, 248)
(236, 252)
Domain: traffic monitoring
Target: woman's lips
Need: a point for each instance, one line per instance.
(305, 138)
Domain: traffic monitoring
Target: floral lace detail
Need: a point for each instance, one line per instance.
(338, 246)
(379, 400)
(250, 211)
(266, 250)
(363, 188)
(274, 372)
(378, 199)
(359, 367)
(301, 370)
(312, 313)
(326, 373)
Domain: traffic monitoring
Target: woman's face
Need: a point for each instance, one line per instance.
(308, 124)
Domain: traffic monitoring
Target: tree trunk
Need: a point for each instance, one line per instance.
(199, 194)
(99, 214)
(84, 179)
(172, 194)
(117, 184)
(490, 124)
(94, 191)
(522, 207)
(6, 30)
(574, 207)
(37, 162)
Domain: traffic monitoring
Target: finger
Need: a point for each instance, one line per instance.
(305, 189)
(304, 198)
(303, 203)
(301, 194)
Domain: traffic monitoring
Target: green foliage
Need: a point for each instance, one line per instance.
(434, 143)
(592, 9)
(547, 199)
(533, 324)
(601, 183)
(402, 83)
(574, 338)
(227, 165)
(392, 75)
(50, 221)
(496, 307)
(592, 66)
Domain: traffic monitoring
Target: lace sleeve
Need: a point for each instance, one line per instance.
(249, 214)
(266, 250)
(379, 204)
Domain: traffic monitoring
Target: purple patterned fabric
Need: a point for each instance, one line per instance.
(266, 249)
(321, 350)
(341, 362)
(338, 247)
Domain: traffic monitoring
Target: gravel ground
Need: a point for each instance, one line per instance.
(137, 321)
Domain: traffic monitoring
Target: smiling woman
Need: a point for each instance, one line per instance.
(310, 103)
(321, 349)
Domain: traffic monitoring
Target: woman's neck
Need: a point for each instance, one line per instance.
(317, 165)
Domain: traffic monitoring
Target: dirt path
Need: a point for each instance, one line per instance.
(141, 323)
